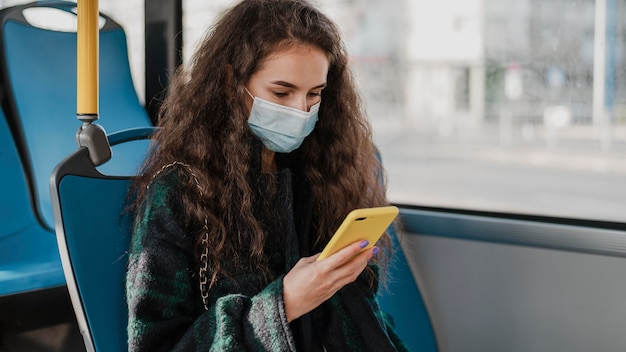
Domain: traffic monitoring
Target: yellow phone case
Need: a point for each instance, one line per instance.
(360, 224)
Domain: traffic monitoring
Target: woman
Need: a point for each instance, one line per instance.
(263, 149)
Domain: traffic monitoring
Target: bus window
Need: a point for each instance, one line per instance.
(504, 106)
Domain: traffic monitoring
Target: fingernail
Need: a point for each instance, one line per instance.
(375, 250)
(364, 244)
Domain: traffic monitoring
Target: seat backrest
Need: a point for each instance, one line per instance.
(94, 236)
(15, 210)
(38, 67)
(403, 300)
(29, 258)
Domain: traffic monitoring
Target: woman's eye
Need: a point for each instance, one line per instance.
(280, 94)
(315, 94)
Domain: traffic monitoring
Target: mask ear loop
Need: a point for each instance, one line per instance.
(250, 94)
(204, 257)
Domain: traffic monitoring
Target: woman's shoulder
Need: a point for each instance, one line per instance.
(157, 218)
(166, 177)
(164, 186)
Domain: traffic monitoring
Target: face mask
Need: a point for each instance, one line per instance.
(280, 128)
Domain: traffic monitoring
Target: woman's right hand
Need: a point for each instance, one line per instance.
(310, 282)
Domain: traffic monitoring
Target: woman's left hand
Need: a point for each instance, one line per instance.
(310, 282)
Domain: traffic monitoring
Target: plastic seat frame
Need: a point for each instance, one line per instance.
(93, 235)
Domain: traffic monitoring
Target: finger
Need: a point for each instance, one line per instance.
(344, 255)
(358, 263)
(348, 272)
(310, 259)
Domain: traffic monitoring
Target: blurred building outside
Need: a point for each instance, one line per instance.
(530, 83)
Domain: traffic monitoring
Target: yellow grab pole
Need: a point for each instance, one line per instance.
(87, 60)
(89, 135)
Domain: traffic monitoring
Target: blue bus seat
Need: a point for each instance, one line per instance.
(29, 259)
(401, 298)
(38, 67)
(94, 235)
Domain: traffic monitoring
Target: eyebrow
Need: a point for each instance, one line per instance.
(290, 85)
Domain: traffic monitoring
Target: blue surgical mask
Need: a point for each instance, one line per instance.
(280, 128)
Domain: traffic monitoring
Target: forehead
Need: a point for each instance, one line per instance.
(295, 64)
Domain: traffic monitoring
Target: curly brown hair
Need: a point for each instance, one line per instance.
(203, 123)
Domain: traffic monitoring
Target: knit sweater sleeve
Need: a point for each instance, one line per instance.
(165, 311)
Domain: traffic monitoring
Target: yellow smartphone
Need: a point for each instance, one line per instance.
(361, 224)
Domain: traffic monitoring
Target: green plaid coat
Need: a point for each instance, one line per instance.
(246, 311)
